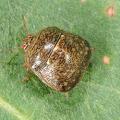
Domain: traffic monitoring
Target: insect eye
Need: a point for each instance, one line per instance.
(24, 46)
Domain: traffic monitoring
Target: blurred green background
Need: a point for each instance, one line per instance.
(97, 96)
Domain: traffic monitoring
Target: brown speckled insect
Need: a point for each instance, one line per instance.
(58, 58)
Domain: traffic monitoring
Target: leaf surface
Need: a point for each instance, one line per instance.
(97, 96)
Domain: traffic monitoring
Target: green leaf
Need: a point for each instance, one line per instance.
(97, 96)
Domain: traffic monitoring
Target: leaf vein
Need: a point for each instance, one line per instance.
(11, 109)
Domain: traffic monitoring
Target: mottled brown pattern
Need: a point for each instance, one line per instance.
(62, 65)
(50, 36)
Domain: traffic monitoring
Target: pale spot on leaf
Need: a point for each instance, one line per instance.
(82, 1)
(111, 11)
(106, 60)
